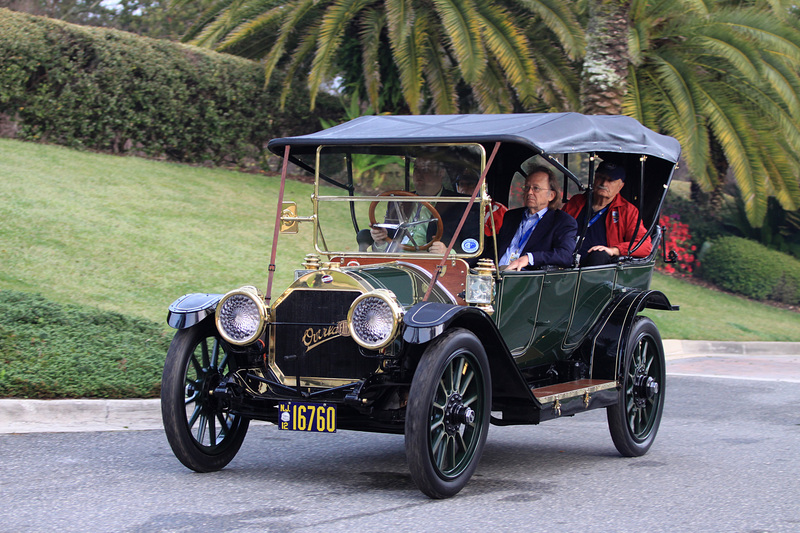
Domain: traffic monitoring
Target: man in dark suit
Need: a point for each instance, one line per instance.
(537, 234)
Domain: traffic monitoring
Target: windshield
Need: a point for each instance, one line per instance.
(398, 199)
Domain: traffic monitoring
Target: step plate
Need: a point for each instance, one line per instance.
(570, 389)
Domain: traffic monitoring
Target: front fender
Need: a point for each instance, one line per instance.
(191, 309)
(510, 392)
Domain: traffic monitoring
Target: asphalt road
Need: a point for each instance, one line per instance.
(726, 459)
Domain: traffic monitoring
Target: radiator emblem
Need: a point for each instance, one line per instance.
(313, 338)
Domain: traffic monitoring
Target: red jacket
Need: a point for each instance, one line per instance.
(620, 220)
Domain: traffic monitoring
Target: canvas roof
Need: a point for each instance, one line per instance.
(553, 133)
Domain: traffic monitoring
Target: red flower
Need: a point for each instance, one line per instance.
(677, 238)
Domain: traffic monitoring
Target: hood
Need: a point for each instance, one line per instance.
(407, 281)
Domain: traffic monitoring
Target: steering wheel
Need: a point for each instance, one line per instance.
(405, 224)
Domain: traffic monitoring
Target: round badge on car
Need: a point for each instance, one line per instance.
(469, 246)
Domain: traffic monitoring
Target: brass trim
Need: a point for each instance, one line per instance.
(577, 392)
(482, 200)
(250, 292)
(289, 222)
(397, 316)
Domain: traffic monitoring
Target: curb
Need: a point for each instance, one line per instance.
(46, 416)
(682, 349)
(52, 416)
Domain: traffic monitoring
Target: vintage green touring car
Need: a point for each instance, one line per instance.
(420, 333)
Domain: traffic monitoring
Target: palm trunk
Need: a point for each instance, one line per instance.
(713, 200)
(605, 66)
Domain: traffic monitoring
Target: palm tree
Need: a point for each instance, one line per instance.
(719, 75)
(440, 49)
(604, 76)
(723, 81)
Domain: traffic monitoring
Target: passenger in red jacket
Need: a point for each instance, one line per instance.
(612, 219)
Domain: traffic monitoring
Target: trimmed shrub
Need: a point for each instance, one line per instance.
(749, 268)
(114, 91)
(49, 350)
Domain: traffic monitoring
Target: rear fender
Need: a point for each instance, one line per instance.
(605, 347)
(510, 393)
(191, 309)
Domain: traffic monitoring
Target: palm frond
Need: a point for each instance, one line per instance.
(676, 79)
(559, 84)
(509, 48)
(210, 13)
(439, 80)
(373, 23)
(461, 25)
(738, 55)
(491, 92)
(559, 17)
(335, 21)
(247, 30)
(407, 39)
(765, 31)
(299, 58)
(733, 132)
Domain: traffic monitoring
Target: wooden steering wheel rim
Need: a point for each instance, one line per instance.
(429, 206)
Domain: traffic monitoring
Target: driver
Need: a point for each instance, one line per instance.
(428, 180)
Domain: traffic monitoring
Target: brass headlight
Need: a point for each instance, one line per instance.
(480, 286)
(374, 319)
(241, 315)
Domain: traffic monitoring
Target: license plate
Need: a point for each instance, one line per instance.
(302, 416)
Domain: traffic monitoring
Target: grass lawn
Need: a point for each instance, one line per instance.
(130, 235)
(707, 314)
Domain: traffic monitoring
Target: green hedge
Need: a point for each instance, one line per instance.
(749, 268)
(114, 91)
(48, 350)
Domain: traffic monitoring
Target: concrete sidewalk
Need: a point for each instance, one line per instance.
(36, 416)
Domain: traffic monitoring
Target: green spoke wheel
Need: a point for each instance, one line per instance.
(633, 421)
(204, 435)
(447, 417)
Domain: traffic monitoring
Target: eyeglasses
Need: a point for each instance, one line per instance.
(535, 189)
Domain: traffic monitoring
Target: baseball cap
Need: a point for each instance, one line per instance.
(612, 170)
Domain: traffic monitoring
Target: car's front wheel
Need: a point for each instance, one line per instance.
(447, 417)
(634, 419)
(202, 432)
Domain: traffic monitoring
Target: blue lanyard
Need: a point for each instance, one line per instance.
(527, 234)
(597, 215)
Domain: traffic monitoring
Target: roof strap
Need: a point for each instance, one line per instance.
(277, 228)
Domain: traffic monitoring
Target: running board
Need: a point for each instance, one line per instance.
(571, 389)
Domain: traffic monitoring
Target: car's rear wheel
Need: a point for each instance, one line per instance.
(204, 435)
(633, 421)
(447, 417)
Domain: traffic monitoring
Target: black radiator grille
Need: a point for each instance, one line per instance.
(317, 341)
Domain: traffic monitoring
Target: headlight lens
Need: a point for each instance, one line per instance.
(374, 319)
(241, 315)
(480, 289)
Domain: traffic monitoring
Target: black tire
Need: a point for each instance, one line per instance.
(633, 421)
(204, 436)
(447, 417)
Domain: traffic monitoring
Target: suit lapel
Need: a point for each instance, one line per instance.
(513, 223)
(541, 230)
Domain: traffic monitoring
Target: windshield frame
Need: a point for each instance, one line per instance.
(318, 199)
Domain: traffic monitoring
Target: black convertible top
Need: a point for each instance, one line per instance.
(553, 133)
